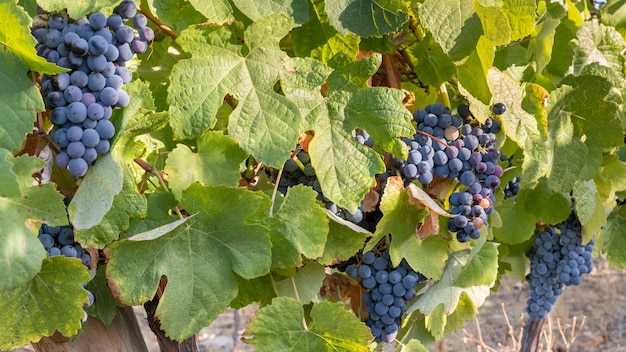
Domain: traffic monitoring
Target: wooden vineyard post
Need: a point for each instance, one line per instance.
(122, 335)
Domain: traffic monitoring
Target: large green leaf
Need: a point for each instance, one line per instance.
(265, 124)
(216, 162)
(433, 65)
(319, 40)
(614, 238)
(596, 42)
(454, 25)
(105, 306)
(76, 9)
(282, 326)
(21, 253)
(342, 243)
(298, 227)
(521, 16)
(366, 18)
(180, 14)
(304, 285)
(52, 301)
(198, 258)
(569, 154)
(257, 9)
(344, 168)
(217, 11)
(15, 35)
(19, 101)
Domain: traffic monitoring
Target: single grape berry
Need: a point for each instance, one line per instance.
(499, 108)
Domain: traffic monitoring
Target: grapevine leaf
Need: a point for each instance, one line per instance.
(427, 256)
(304, 285)
(21, 253)
(541, 46)
(495, 23)
(139, 117)
(366, 18)
(481, 268)
(614, 240)
(299, 227)
(521, 16)
(465, 310)
(434, 66)
(473, 72)
(569, 154)
(19, 101)
(52, 301)
(413, 345)
(344, 168)
(257, 9)
(159, 203)
(127, 204)
(596, 42)
(159, 231)
(517, 224)
(319, 40)
(612, 177)
(77, 9)
(436, 322)
(582, 99)
(400, 219)
(259, 290)
(454, 25)
(105, 306)
(196, 258)
(589, 208)
(178, 14)
(446, 292)
(560, 64)
(342, 243)
(265, 123)
(547, 204)
(15, 35)
(280, 327)
(215, 163)
(218, 11)
(614, 14)
(96, 193)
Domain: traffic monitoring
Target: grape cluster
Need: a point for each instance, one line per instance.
(59, 240)
(454, 146)
(96, 51)
(557, 259)
(390, 288)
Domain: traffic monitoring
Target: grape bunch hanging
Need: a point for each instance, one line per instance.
(96, 50)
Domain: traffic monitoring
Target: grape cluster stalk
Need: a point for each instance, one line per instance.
(96, 50)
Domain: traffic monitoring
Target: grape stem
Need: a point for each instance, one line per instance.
(442, 92)
(436, 140)
(158, 22)
(159, 175)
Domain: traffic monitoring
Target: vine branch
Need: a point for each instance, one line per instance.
(162, 26)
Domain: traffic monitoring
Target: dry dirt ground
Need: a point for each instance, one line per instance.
(590, 318)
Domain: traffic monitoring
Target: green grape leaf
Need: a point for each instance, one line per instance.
(541, 46)
(304, 285)
(265, 123)
(344, 168)
(21, 253)
(481, 268)
(139, 116)
(413, 345)
(454, 25)
(259, 290)
(569, 154)
(446, 291)
(517, 224)
(15, 35)
(436, 322)
(178, 14)
(342, 243)
(434, 66)
(521, 16)
(614, 14)
(614, 240)
(560, 64)
(589, 208)
(196, 258)
(596, 42)
(366, 18)
(298, 227)
(257, 9)
(582, 99)
(96, 193)
(612, 177)
(105, 306)
(215, 163)
(52, 301)
(127, 204)
(319, 40)
(473, 73)
(19, 100)
(159, 203)
(217, 11)
(281, 326)
(546, 204)
(495, 23)
(77, 9)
